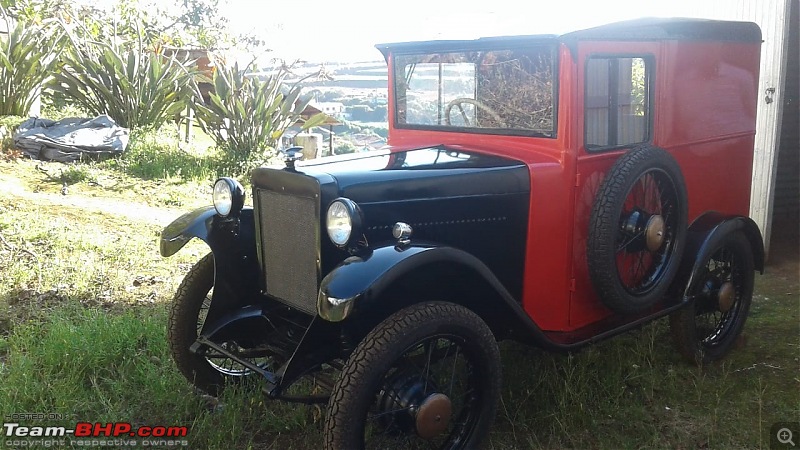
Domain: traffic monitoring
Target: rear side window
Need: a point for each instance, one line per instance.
(617, 101)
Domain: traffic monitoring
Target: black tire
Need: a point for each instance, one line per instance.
(186, 317)
(705, 330)
(383, 381)
(630, 271)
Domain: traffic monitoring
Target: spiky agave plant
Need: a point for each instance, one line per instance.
(135, 86)
(28, 57)
(247, 115)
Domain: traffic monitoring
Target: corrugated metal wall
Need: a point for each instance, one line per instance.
(772, 16)
(787, 184)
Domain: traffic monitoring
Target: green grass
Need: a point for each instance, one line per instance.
(157, 155)
(91, 365)
(635, 392)
(84, 297)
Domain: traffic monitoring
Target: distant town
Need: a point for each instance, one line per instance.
(354, 95)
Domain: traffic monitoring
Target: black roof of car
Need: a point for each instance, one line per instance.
(647, 29)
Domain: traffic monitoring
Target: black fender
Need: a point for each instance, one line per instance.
(244, 321)
(358, 284)
(194, 224)
(703, 236)
(233, 243)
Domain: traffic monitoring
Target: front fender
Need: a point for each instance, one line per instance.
(358, 280)
(232, 241)
(194, 224)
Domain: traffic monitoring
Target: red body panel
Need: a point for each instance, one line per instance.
(704, 109)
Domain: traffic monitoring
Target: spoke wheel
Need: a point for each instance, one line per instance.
(427, 377)
(222, 364)
(637, 230)
(187, 315)
(721, 293)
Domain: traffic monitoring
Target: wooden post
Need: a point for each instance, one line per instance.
(189, 120)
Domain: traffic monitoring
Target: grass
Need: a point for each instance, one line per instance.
(84, 297)
(158, 156)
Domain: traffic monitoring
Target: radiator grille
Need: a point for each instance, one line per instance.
(289, 248)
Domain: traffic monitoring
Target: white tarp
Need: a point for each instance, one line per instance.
(70, 139)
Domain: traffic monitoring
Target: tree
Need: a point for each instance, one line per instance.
(194, 23)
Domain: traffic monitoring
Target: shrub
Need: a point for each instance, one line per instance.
(345, 148)
(246, 116)
(135, 87)
(27, 58)
(8, 124)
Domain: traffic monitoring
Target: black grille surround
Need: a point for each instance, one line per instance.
(287, 211)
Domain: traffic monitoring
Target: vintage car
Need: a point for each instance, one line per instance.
(554, 190)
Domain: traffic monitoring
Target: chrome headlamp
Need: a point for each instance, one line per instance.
(343, 222)
(228, 197)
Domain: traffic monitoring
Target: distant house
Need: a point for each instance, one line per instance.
(330, 108)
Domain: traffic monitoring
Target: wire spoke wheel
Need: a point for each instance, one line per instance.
(721, 292)
(720, 297)
(427, 377)
(187, 315)
(637, 230)
(427, 400)
(221, 363)
(647, 230)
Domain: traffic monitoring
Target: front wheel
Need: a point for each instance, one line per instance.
(426, 377)
(721, 292)
(186, 318)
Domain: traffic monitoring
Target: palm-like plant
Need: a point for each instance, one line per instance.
(28, 56)
(138, 88)
(246, 116)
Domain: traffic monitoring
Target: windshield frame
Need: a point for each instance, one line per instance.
(505, 44)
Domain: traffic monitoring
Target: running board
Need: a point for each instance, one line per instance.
(609, 327)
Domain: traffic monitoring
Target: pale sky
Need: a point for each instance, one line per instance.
(347, 30)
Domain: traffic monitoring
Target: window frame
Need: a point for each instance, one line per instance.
(650, 83)
(556, 57)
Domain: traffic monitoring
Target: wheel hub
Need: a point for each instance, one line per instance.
(648, 231)
(654, 232)
(726, 296)
(433, 416)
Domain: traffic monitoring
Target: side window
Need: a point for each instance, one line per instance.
(617, 101)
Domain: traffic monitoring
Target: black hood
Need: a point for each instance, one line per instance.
(466, 200)
(427, 173)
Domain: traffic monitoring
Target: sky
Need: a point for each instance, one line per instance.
(347, 30)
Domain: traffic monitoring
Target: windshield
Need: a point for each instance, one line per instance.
(509, 91)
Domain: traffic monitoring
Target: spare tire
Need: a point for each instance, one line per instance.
(637, 231)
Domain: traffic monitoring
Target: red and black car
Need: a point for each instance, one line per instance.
(555, 190)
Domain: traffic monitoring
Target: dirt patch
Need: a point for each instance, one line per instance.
(18, 189)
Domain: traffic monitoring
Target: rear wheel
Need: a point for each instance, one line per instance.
(426, 377)
(721, 294)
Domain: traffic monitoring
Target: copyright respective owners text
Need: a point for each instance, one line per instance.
(53, 430)
(784, 435)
